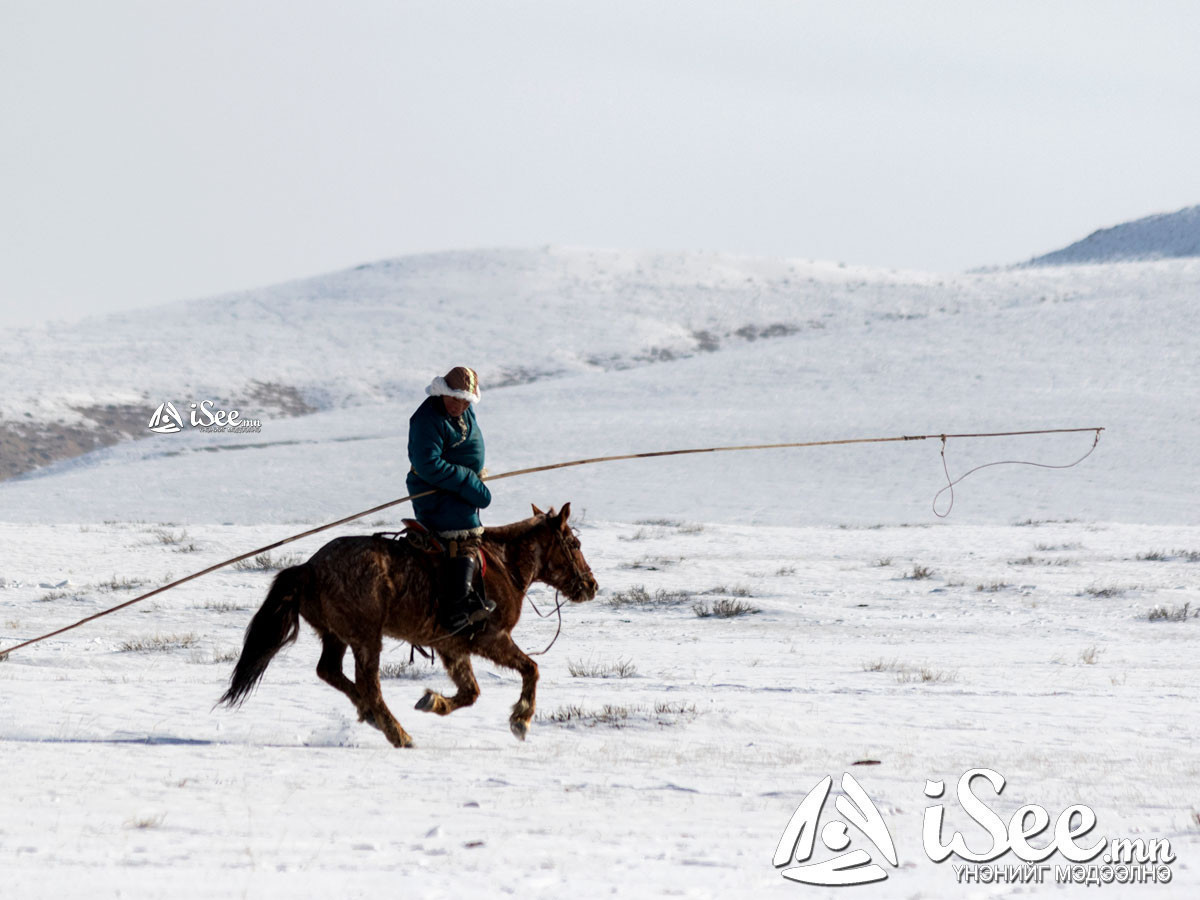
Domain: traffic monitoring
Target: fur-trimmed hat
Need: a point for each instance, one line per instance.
(460, 382)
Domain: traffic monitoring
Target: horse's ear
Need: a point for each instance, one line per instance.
(536, 511)
(565, 512)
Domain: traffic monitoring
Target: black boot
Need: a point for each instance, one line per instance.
(461, 605)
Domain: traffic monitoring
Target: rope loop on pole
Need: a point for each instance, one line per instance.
(950, 483)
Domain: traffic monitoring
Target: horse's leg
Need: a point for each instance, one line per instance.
(329, 669)
(458, 667)
(500, 648)
(372, 707)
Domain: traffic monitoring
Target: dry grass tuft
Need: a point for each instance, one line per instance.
(619, 716)
(121, 584)
(143, 822)
(992, 587)
(398, 670)
(906, 674)
(1104, 592)
(223, 606)
(167, 537)
(158, 643)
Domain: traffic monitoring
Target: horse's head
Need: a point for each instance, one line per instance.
(563, 565)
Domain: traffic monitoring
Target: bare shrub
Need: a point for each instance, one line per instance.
(1041, 561)
(168, 537)
(919, 573)
(51, 596)
(1172, 613)
(265, 562)
(1165, 556)
(622, 668)
(723, 608)
(1104, 592)
(881, 665)
(992, 587)
(638, 596)
(634, 596)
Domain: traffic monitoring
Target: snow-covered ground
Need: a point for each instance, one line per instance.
(671, 748)
(1027, 649)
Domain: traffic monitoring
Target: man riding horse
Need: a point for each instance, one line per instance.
(445, 449)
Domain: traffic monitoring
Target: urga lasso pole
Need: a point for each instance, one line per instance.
(547, 468)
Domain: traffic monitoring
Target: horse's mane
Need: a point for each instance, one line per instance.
(502, 534)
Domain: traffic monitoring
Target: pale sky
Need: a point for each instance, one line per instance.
(156, 151)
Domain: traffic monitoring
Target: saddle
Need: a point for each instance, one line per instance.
(436, 554)
(426, 541)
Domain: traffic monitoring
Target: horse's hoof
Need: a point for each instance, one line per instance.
(519, 728)
(427, 701)
(405, 743)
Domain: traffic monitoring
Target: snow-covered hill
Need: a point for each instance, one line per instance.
(1163, 236)
(375, 332)
(584, 353)
(374, 335)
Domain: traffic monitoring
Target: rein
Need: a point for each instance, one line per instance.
(558, 605)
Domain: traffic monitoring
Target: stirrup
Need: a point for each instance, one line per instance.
(477, 611)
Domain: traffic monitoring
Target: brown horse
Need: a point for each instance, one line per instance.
(355, 590)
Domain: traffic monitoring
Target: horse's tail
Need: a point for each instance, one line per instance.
(274, 626)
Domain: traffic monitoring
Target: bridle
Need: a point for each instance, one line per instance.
(579, 583)
(569, 543)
